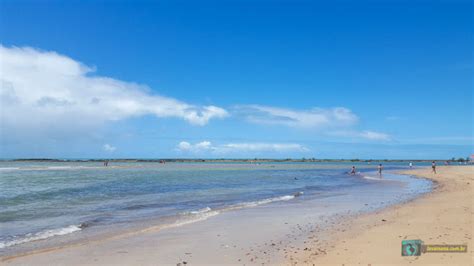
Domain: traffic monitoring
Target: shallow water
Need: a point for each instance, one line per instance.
(45, 200)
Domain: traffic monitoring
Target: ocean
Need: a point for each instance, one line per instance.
(41, 201)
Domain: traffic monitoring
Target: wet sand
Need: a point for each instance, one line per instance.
(444, 216)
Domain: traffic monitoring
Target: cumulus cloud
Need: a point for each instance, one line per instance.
(109, 148)
(316, 118)
(42, 90)
(207, 146)
(198, 147)
(48, 95)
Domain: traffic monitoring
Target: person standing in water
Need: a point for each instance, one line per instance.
(410, 164)
(353, 171)
(380, 167)
(433, 166)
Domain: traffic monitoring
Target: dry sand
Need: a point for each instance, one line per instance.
(441, 217)
(444, 216)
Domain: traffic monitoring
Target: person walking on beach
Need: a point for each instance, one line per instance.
(410, 164)
(380, 167)
(353, 171)
(433, 166)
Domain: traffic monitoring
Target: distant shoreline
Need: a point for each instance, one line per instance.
(255, 160)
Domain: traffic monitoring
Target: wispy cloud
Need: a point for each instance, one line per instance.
(316, 118)
(42, 90)
(337, 121)
(270, 147)
(365, 134)
(441, 140)
(207, 146)
(372, 135)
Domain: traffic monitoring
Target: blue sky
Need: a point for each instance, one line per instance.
(233, 79)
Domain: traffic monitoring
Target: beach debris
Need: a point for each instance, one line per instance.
(383, 220)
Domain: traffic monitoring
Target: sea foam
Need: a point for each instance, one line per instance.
(41, 235)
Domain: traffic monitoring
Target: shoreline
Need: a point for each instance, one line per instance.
(234, 160)
(375, 238)
(295, 247)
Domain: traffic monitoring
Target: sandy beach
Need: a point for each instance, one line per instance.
(444, 216)
(261, 235)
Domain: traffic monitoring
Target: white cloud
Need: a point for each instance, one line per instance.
(316, 118)
(337, 121)
(198, 147)
(207, 146)
(109, 148)
(46, 91)
(47, 95)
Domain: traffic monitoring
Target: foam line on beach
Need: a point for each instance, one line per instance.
(264, 201)
(372, 178)
(384, 178)
(9, 168)
(207, 212)
(41, 235)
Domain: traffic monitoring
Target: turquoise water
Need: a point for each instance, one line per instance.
(39, 201)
